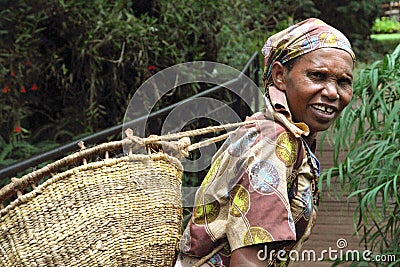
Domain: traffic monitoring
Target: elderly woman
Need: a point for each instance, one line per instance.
(257, 203)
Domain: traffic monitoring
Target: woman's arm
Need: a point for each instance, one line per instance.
(248, 256)
(255, 255)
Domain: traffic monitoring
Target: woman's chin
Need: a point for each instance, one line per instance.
(318, 127)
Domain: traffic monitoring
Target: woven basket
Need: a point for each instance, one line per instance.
(124, 211)
(114, 212)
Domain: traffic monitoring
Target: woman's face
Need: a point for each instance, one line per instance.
(318, 87)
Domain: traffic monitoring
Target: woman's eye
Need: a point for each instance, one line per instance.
(319, 76)
(345, 82)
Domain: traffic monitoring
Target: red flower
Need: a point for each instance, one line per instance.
(23, 90)
(6, 89)
(17, 129)
(12, 73)
(34, 87)
(151, 67)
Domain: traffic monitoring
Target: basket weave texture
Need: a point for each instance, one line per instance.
(115, 212)
(123, 211)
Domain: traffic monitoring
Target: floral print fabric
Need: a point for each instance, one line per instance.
(257, 191)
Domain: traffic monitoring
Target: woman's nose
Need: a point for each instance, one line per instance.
(331, 90)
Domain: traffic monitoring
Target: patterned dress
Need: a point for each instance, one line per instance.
(257, 191)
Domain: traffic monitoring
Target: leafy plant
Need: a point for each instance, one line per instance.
(385, 25)
(368, 136)
(11, 151)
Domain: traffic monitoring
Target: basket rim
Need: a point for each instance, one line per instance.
(19, 184)
(183, 146)
(21, 199)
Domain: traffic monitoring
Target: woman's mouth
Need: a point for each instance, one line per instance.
(324, 109)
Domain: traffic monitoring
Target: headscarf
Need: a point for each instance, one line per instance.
(299, 39)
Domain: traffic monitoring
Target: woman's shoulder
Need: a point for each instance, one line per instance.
(271, 128)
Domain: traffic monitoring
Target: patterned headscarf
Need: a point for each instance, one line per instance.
(299, 39)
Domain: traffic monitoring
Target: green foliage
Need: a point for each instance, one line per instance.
(72, 58)
(383, 44)
(11, 152)
(385, 25)
(369, 130)
(71, 67)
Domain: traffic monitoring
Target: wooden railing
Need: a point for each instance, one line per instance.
(392, 10)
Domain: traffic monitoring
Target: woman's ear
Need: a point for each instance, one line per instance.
(278, 73)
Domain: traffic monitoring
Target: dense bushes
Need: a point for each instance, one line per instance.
(70, 67)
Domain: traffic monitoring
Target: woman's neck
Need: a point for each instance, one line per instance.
(310, 139)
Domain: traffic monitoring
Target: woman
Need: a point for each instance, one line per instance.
(260, 194)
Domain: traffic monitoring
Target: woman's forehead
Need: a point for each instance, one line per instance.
(327, 57)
